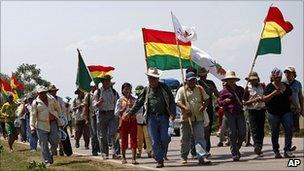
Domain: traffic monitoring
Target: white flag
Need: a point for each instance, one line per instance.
(183, 33)
(203, 59)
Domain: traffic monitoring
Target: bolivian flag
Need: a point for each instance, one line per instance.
(275, 28)
(5, 87)
(17, 87)
(162, 52)
(98, 72)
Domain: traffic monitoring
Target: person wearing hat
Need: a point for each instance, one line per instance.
(210, 88)
(52, 90)
(256, 110)
(142, 130)
(277, 96)
(297, 96)
(8, 111)
(194, 108)
(81, 124)
(44, 120)
(90, 114)
(104, 100)
(33, 138)
(231, 100)
(159, 105)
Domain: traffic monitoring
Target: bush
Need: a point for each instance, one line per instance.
(33, 165)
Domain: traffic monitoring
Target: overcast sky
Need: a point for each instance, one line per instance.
(109, 33)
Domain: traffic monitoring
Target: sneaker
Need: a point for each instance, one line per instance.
(204, 161)
(134, 162)
(258, 150)
(277, 155)
(124, 161)
(293, 148)
(160, 165)
(33, 150)
(288, 154)
(184, 161)
(47, 164)
(220, 144)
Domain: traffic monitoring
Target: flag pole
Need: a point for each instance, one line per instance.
(145, 48)
(256, 55)
(183, 77)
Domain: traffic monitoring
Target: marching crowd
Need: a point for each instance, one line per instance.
(106, 120)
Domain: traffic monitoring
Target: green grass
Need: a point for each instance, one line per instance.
(20, 158)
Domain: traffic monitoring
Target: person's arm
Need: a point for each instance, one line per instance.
(139, 103)
(33, 116)
(86, 109)
(268, 95)
(224, 98)
(97, 102)
(206, 99)
(172, 104)
(181, 101)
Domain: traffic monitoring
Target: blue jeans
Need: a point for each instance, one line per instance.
(287, 122)
(158, 130)
(32, 138)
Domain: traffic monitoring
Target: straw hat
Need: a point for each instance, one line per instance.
(230, 75)
(153, 72)
(252, 76)
(290, 69)
(41, 89)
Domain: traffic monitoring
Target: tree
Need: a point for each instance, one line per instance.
(30, 76)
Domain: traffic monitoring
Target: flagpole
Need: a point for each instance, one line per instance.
(256, 55)
(145, 48)
(183, 77)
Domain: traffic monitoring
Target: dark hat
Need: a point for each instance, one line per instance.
(52, 88)
(77, 91)
(107, 77)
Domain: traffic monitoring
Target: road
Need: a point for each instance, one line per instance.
(221, 158)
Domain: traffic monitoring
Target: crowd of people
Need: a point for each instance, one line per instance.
(108, 119)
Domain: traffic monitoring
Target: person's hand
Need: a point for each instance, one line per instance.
(33, 131)
(277, 92)
(86, 122)
(202, 108)
(125, 116)
(245, 103)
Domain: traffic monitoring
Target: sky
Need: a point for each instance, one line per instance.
(109, 33)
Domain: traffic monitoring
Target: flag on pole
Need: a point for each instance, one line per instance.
(98, 72)
(203, 59)
(275, 27)
(83, 78)
(183, 33)
(162, 52)
(5, 87)
(17, 87)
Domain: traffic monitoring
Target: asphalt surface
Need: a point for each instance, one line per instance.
(220, 157)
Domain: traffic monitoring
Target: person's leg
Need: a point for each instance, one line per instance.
(200, 142)
(223, 130)
(93, 133)
(287, 122)
(153, 127)
(163, 122)
(54, 137)
(232, 125)
(113, 126)
(23, 130)
(241, 130)
(147, 140)
(274, 122)
(103, 134)
(12, 134)
(44, 145)
(86, 135)
(185, 140)
(140, 139)
(133, 139)
(208, 129)
(78, 129)
(296, 124)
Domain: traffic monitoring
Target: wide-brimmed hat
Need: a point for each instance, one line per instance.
(41, 89)
(203, 71)
(190, 76)
(53, 88)
(107, 77)
(230, 75)
(252, 76)
(153, 72)
(290, 69)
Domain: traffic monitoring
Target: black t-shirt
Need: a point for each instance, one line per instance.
(208, 86)
(279, 104)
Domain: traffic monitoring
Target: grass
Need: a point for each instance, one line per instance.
(21, 157)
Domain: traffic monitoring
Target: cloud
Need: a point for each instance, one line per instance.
(124, 36)
(235, 41)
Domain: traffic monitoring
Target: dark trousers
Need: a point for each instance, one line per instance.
(23, 131)
(93, 132)
(237, 126)
(275, 122)
(3, 129)
(257, 122)
(82, 129)
(208, 129)
(296, 125)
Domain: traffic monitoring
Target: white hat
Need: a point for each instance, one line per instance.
(290, 68)
(230, 75)
(153, 72)
(41, 89)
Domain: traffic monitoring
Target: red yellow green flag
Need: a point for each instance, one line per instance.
(5, 87)
(98, 72)
(275, 27)
(17, 87)
(162, 52)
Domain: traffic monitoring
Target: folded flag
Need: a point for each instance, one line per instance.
(275, 27)
(98, 72)
(203, 59)
(162, 52)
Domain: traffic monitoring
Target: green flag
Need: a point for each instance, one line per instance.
(83, 79)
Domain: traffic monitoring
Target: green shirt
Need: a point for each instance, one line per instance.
(157, 104)
(8, 110)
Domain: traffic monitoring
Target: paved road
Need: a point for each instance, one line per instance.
(221, 158)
